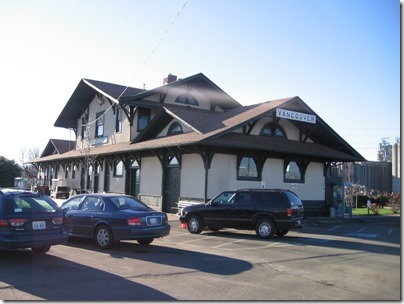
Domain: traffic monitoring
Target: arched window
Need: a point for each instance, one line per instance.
(294, 171)
(118, 168)
(272, 129)
(247, 169)
(175, 128)
(187, 99)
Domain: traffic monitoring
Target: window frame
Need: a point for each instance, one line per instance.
(175, 128)
(99, 124)
(84, 122)
(258, 169)
(301, 168)
(118, 120)
(118, 172)
(143, 114)
(187, 99)
(273, 128)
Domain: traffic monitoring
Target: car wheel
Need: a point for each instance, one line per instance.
(195, 224)
(40, 250)
(265, 229)
(282, 232)
(103, 237)
(145, 241)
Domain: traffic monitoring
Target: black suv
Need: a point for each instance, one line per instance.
(29, 220)
(269, 211)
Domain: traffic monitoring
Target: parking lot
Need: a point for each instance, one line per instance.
(330, 259)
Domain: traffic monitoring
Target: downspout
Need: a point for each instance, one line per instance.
(206, 181)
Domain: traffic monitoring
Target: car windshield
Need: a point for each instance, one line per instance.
(224, 198)
(30, 204)
(127, 202)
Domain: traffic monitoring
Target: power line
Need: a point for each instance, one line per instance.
(157, 45)
(144, 64)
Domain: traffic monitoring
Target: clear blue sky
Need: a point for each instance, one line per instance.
(342, 57)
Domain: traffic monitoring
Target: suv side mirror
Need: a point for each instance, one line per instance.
(215, 203)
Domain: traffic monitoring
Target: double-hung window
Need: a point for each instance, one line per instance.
(99, 129)
(118, 120)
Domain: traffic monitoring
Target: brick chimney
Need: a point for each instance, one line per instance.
(170, 78)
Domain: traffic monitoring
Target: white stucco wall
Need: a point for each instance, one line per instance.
(192, 176)
(223, 176)
(311, 189)
(117, 184)
(151, 176)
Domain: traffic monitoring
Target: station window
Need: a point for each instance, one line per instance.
(144, 115)
(293, 172)
(247, 169)
(175, 128)
(118, 120)
(187, 99)
(272, 129)
(99, 130)
(118, 168)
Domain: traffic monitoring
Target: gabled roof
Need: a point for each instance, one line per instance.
(215, 127)
(219, 129)
(84, 94)
(198, 81)
(58, 146)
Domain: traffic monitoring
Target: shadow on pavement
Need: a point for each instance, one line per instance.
(51, 278)
(197, 261)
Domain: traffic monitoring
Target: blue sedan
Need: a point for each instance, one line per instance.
(109, 218)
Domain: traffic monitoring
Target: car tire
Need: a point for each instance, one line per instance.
(145, 241)
(282, 232)
(265, 229)
(103, 237)
(195, 224)
(40, 250)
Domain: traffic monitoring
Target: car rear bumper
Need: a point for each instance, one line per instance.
(141, 232)
(15, 241)
(292, 223)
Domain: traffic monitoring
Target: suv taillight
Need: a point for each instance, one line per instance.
(289, 211)
(3, 223)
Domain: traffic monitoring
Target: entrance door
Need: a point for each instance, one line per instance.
(134, 182)
(172, 182)
(96, 178)
(106, 178)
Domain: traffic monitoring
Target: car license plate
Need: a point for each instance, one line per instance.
(154, 221)
(38, 225)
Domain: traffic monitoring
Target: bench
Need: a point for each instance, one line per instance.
(184, 202)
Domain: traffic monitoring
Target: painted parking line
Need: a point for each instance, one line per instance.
(360, 230)
(227, 243)
(316, 240)
(364, 235)
(334, 228)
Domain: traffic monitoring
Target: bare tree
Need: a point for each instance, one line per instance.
(88, 159)
(29, 171)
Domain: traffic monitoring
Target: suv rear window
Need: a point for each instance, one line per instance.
(293, 199)
(29, 204)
